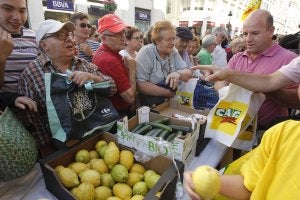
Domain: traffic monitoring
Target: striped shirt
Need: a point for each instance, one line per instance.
(32, 84)
(94, 46)
(25, 50)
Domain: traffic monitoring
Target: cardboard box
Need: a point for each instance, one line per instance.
(161, 164)
(179, 148)
(173, 107)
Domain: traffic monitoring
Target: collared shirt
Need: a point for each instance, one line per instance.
(32, 84)
(205, 57)
(187, 59)
(111, 64)
(25, 50)
(267, 62)
(219, 56)
(94, 46)
(152, 68)
(292, 70)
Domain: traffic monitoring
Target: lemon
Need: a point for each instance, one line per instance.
(111, 155)
(149, 172)
(140, 188)
(151, 180)
(93, 154)
(126, 158)
(123, 191)
(102, 151)
(68, 177)
(107, 180)
(82, 156)
(90, 176)
(99, 165)
(78, 167)
(102, 193)
(138, 168)
(207, 182)
(133, 178)
(58, 168)
(113, 198)
(100, 144)
(137, 197)
(85, 191)
(119, 173)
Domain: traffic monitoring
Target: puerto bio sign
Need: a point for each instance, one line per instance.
(60, 5)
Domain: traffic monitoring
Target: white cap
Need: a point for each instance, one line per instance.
(52, 26)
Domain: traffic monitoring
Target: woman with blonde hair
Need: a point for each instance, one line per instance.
(159, 66)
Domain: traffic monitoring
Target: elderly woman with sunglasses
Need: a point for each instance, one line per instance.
(85, 46)
(57, 47)
(133, 42)
(159, 66)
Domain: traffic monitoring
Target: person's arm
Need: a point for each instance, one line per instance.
(151, 89)
(253, 82)
(232, 186)
(7, 45)
(129, 95)
(286, 97)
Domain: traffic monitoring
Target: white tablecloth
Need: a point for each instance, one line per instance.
(32, 185)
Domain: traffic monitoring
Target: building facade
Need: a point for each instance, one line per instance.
(141, 13)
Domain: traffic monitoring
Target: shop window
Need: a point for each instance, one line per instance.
(169, 6)
(186, 5)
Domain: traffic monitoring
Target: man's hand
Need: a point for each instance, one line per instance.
(86, 49)
(24, 102)
(80, 78)
(6, 44)
(173, 79)
(212, 73)
(189, 185)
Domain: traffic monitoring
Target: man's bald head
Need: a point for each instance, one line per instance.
(262, 16)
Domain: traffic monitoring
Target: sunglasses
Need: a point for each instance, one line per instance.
(83, 25)
(60, 35)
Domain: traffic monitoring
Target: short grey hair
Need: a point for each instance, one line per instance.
(218, 31)
(208, 40)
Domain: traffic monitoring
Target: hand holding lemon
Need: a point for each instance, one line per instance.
(203, 183)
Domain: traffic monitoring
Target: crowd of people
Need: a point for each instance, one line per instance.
(147, 68)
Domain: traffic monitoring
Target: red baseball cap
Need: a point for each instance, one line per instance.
(112, 23)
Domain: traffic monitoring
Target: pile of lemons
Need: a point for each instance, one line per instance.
(106, 173)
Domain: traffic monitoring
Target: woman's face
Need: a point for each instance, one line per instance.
(136, 41)
(166, 42)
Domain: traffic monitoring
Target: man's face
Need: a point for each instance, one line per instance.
(181, 44)
(60, 45)
(257, 35)
(115, 41)
(13, 15)
(82, 29)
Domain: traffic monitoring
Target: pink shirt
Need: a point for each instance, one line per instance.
(266, 63)
(292, 70)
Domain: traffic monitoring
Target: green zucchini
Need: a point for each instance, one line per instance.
(153, 132)
(163, 134)
(184, 129)
(144, 129)
(164, 120)
(137, 127)
(156, 133)
(169, 136)
(178, 133)
(161, 126)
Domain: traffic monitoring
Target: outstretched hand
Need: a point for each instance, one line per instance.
(212, 73)
(189, 186)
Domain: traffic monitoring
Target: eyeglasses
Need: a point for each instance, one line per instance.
(83, 25)
(59, 35)
(137, 38)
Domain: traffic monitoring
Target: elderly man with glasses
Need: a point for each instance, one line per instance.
(85, 46)
(57, 47)
(110, 62)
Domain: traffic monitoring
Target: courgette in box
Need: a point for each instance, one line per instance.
(144, 129)
(164, 120)
(184, 129)
(174, 135)
(152, 132)
(163, 134)
(161, 126)
(137, 127)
